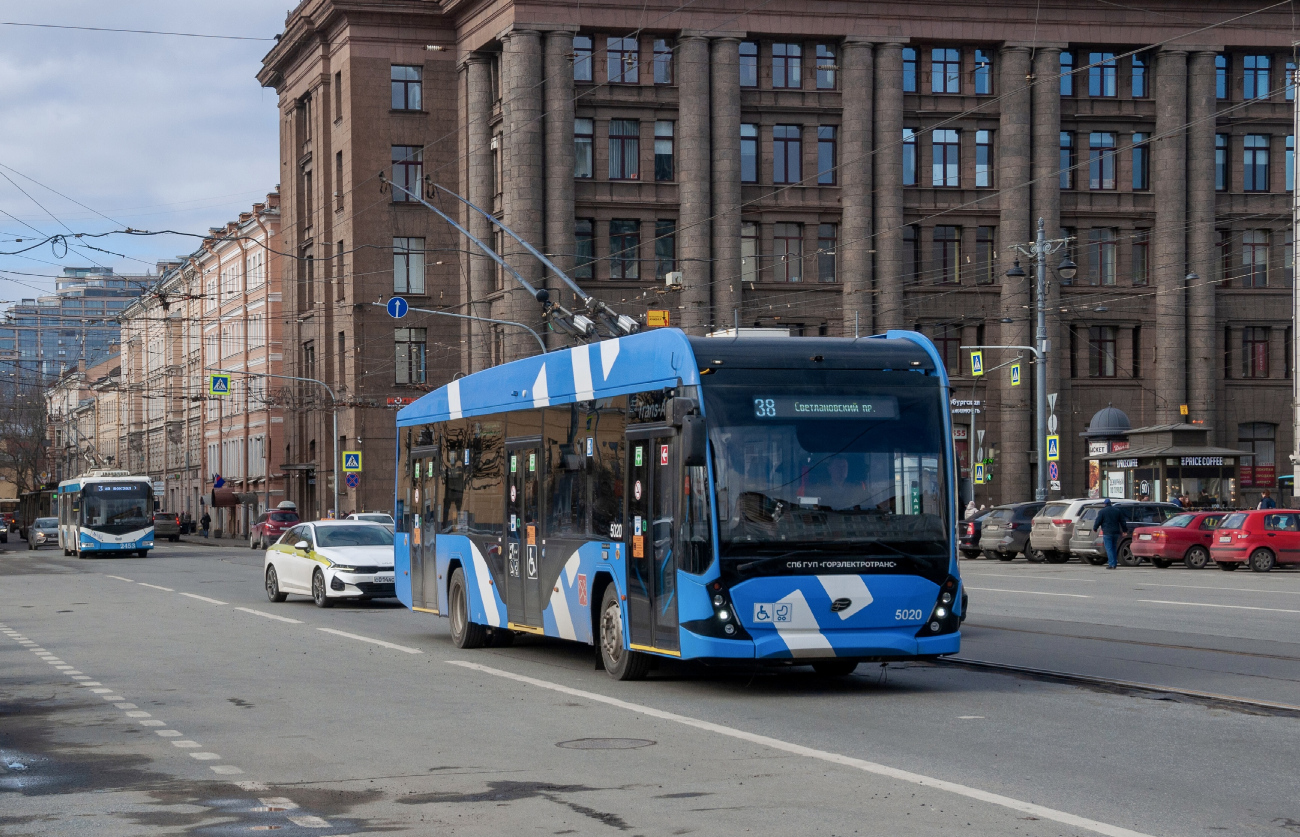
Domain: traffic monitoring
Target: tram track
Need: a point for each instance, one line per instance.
(1166, 645)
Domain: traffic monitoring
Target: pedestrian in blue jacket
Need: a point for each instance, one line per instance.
(1113, 526)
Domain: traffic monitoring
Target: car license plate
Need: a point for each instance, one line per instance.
(1144, 537)
(1225, 539)
(385, 579)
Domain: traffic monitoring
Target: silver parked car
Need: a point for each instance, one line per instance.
(43, 532)
(1086, 543)
(1053, 526)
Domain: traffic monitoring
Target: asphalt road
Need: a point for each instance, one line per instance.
(166, 695)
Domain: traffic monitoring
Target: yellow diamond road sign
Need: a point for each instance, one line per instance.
(351, 461)
(218, 385)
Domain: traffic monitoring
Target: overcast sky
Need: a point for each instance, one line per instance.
(156, 132)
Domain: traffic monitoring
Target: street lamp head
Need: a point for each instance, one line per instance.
(1016, 271)
(1067, 269)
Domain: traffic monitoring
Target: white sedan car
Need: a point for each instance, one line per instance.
(329, 560)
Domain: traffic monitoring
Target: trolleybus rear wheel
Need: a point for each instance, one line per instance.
(621, 663)
(464, 633)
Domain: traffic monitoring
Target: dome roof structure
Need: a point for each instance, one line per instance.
(1110, 421)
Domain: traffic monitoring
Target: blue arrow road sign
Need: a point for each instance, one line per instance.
(397, 307)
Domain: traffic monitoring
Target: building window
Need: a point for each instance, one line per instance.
(787, 252)
(786, 59)
(1258, 438)
(947, 342)
(411, 353)
(581, 58)
(786, 154)
(985, 255)
(406, 87)
(584, 250)
(748, 153)
(665, 248)
(1220, 76)
(748, 251)
(1221, 162)
(826, 67)
(1254, 259)
(983, 73)
(826, 235)
(1289, 81)
(911, 254)
(1141, 82)
(583, 141)
(663, 150)
(1141, 162)
(945, 70)
(983, 159)
(622, 55)
(910, 168)
(624, 249)
(1101, 256)
(1223, 268)
(624, 149)
(1290, 162)
(1141, 257)
(1067, 162)
(663, 61)
(408, 265)
(748, 64)
(947, 255)
(947, 158)
(1254, 352)
(1255, 76)
(1102, 72)
(1101, 352)
(1101, 160)
(909, 70)
(826, 155)
(1067, 73)
(408, 171)
(1255, 169)
(1137, 351)
(338, 181)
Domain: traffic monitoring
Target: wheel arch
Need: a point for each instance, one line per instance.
(602, 580)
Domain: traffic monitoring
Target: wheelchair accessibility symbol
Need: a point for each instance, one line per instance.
(773, 612)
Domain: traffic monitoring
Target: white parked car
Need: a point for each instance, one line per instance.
(330, 560)
(373, 517)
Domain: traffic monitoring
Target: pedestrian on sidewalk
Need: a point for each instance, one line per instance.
(1112, 525)
(205, 522)
(1266, 501)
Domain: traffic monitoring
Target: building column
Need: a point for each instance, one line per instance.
(693, 179)
(1015, 418)
(725, 93)
(1169, 188)
(854, 247)
(522, 191)
(478, 142)
(1047, 202)
(1202, 371)
(558, 123)
(889, 187)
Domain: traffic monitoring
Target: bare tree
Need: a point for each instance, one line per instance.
(23, 439)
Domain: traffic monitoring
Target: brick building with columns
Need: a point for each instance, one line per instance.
(823, 167)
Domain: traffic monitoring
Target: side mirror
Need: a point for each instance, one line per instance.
(678, 408)
(695, 441)
(302, 545)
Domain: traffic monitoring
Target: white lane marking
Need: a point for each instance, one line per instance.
(119, 578)
(204, 598)
(375, 641)
(113, 697)
(79, 676)
(169, 733)
(309, 822)
(270, 615)
(100, 691)
(878, 769)
(225, 769)
(127, 706)
(139, 713)
(93, 683)
(1230, 589)
(1029, 592)
(1229, 607)
(1039, 577)
(278, 802)
(65, 668)
(970, 717)
(73, 673)
(156, 587)
(153, 723)
(186, 743)
(205, 756)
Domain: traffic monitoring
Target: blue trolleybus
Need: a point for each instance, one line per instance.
(105, 511)
(716, 499)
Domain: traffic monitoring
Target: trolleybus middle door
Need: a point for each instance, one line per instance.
(523, 538)
(652, 501)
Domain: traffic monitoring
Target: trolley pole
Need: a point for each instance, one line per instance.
(1295, 312)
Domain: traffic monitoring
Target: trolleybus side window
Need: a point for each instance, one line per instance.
(483, 472)
(566, 471)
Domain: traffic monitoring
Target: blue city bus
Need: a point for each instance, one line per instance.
(105, 511)
(721, 499)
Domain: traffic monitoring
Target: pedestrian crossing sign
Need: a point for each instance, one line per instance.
(979, 473)
(977, 363)
(1015, 374)
(351, 461)
(1053, 448)
(218, 385)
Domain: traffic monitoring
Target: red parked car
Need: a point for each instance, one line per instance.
(1185, 537)
(1263, 538)
(271, 525)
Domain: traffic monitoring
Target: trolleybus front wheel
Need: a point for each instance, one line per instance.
(464, 633)
(621, 663)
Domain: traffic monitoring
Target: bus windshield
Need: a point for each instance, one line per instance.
(116, 509)
(839, 471)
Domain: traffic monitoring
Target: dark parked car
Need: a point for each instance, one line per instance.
(1006, 530)
(167, 525)
(1088, 545)
(969, 533)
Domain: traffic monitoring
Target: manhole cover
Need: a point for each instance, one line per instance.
(605, 743)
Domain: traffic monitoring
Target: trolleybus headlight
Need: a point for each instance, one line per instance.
(943, 619)
(724, 615)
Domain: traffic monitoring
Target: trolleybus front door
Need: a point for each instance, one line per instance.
(653, 495)
(523, 540)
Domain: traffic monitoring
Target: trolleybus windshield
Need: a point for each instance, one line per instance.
(837, 471)
(115, 509)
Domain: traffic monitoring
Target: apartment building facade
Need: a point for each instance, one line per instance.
(863, 167)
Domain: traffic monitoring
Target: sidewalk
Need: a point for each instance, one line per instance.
(198, 540)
